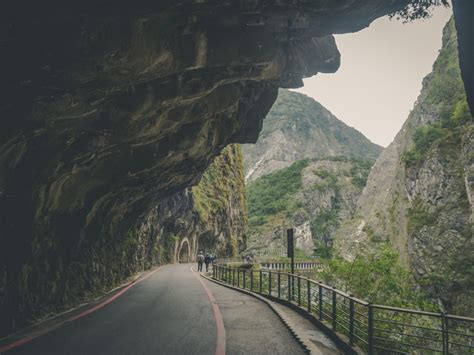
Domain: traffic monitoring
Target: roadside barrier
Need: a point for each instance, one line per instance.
(375, 329)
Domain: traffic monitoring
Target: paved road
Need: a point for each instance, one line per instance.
(170, 312)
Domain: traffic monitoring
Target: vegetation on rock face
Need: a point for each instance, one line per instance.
(219, 200)
(445, 93)
(417, 195)
(446, 222)
(222, 179)
(376, 276)
(311, 195)
(272, 194)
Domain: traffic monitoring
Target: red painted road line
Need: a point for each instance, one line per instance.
(34, 335)
(220, 346)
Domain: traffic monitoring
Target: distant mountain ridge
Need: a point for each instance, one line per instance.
(298, 127)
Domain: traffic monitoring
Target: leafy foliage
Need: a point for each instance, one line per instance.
(329, 180)
(376, 276)
(417, 9)
(445, 93)
(324, 224)
(219, 183)
(418, 216)
(272, 193)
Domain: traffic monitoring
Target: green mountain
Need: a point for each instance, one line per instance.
(297, 127)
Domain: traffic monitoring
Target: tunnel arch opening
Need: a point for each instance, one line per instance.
(184, 252)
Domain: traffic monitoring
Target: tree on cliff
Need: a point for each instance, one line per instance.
(418, 9)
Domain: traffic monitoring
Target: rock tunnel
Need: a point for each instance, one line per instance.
(111, 109)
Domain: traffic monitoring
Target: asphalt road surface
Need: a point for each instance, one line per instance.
(174, 311)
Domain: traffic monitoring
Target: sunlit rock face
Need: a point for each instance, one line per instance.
(109, 107)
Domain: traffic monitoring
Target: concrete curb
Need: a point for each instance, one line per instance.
(307, 345)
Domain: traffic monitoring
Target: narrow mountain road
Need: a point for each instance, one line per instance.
(174, 311)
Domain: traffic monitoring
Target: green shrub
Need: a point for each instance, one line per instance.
(272, 193)
(324, 223)
(419, 216)
(376, 276)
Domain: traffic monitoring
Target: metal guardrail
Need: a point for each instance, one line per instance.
(375, 329)
(299, 265)
(275, 265)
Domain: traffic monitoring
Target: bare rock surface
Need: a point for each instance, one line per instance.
(109, 107)
(419, 192)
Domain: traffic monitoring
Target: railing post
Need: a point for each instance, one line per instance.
(308, 289)
(289, 286)
(320, 299)
(245, 273)
(238, 277)
(260, 281)
(233, 277)
(292, 287)
(445, 332)
(251, 280)
(334, 309)
(269, 283)
(370, 330)
(299, 291)
(351, 320)
(279, 284)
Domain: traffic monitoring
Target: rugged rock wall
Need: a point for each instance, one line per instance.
(211, 216)
(109, 107)
(297, 127)
(419, 194)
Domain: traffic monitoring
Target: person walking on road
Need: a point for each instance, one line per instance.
(207, 261)
(200, 260)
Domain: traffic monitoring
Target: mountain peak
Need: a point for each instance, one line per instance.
(299, 127)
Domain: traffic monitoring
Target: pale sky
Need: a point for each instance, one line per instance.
(380, 77)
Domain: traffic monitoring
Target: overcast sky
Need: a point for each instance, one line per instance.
(380, 77)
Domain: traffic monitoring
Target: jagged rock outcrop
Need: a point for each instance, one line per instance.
(311, 196)
(297, 127)
(109, 107)
(419, 194)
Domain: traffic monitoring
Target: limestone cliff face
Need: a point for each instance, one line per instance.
(111, 107)
(210, 217)
(298, 127)
(419, 194)
(311, 196)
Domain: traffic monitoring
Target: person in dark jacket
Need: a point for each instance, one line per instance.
(200, 260)
(207, 261)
